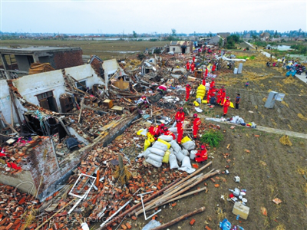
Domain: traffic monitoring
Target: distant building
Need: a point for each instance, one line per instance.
(18, 60)
(184, 47)
(224, 34)
(215, 40)
(265, 36)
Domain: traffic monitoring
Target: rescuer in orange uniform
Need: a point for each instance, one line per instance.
(226, 106)
(201, 155)
(187, 92)
(179, 131)
(196, 124)
(180, 115)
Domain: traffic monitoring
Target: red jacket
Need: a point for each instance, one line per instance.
(204, 81)
(179, 116)
(188, 89)
(179, 127)
(227, 103)
(212, 84)
(153, 130)
(202, 154)
(196, 122)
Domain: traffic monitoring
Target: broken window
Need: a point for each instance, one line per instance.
(47, 101)
(81, 85)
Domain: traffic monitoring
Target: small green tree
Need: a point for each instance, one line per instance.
(157, 51)
(212, 137)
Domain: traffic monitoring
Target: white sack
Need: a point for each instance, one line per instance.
(160, 146)
(185, 152)
(157, 151)
(155, 157)
(193, 154)
(175, 146)
(173, 161)
(186, 165)
(189, 145)
(154, 162)
(166, 138)
(179, 156)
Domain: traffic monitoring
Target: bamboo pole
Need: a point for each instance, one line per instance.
(131, 210)
(183, 196)
(168, 196)
(200, 210)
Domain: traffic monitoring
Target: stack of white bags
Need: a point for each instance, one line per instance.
(167, 150)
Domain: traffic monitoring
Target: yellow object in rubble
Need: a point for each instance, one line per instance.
(147, 143)
(231, 104)
(164, 142)
(196, 104)
(166, 157)
(185, 139)
(150, 137)
(201, 91)
(204, 101)
(139, 132)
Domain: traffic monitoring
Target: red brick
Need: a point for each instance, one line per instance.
(128, 225)
(192, 221)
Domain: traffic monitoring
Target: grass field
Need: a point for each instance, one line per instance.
(103, 49)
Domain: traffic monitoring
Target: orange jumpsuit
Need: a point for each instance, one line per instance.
(179, 131)
(179, 116)
(193, 59)
(226, 105)
(196, 124)
(204, 81)
(209, 95)
(213, 68)
(188, 66)
(192, 67)
(219, 96)
(187, 92)
(206, 72)
(212, 84)
(201, 155)
(223, 97)
(154, 131)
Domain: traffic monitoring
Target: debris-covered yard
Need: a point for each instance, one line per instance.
(114, 161)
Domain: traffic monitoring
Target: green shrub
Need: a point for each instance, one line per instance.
(212, 137)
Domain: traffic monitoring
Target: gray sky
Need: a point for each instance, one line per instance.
(149, 16)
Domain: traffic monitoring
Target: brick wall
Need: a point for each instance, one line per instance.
(67, 59)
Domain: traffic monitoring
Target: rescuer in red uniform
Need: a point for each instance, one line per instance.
(201, 155)
(179, 131)
(226, 106)
(187, 92)
(180, 115)
(196, 124)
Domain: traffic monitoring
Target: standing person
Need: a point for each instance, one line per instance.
(246, 84)
(192, 67)
(196, 124)
(226, 106)
(204, 81)
(238, 99)
(206, 72)
(187, 92)
(220, 95)
(209, 94)
(212, 84)
(193, 58)
(188, 66)
(213, 67)
(223, 95)
(180, 115)
(179, 131)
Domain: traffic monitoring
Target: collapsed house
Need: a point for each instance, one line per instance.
(184, 47)
(17, 61)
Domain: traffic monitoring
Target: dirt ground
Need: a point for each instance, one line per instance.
(103, 49)
(271, 170)
(267, 168)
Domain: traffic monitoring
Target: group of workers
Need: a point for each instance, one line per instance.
(214, 96)
(156, 131)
